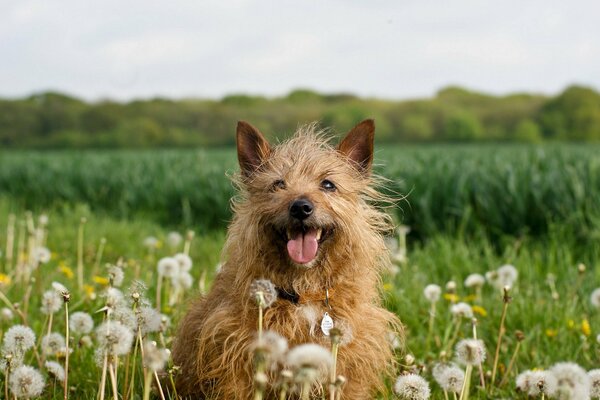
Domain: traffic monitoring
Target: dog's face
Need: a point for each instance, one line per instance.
(304, 193)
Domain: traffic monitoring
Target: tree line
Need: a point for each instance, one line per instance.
(57, 120)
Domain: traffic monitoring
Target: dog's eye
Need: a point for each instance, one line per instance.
(328, 185)
(278, 184)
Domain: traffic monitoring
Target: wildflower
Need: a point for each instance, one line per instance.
(26, 382)
(595, 298)
(115, 275)
(43, 219)
(479, 310)
(470, 351)
(310, 356)
(183, 280)
(449, 377)
(394, 340)
(462, 310)
(174, 239)
(273, 346)
(542, 382)
(114, 338)
(151, 242)
(585, 327)
(474, 281)
(507, 275)
(572, 381)
(114, 298)
(81, 323)
(148, 320)
(432, 293)
(184, 261)
(18, 339)
(451, 286)
(264, 292)
(126, 316)
(51, 302)
(451, 297)
(155, 358)
(56, 370)
(551, 332)
(594, 382)
(168, 267)
(41, 255)
(6, 314)
(100, 280)
(412, 387)
(53, 343)
(4, 280)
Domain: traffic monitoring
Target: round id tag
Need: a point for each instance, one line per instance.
(326, 324)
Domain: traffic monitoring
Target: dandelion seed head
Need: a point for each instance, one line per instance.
(412, 387)
(81, 323)
(148, 320)
(116, 275)
(18, 339)
(470, 351)
(60, 288)
(168, 267)
(114, 298)
(26, 382)
(51, 302)
(595, 298)
(174, 239)
(155, 358)
(451, 286)
(43, 220)
(41, 255)
(126, 316)
(309, 355)
(462, 310)
(266, 287)
(183, 280)
(449, 377)
(432, 292)
(53, 343)
(273, 345)
(507, 275)
(6, 314)
(151, 242)
(573, 383)
(394, 340)
(184, 261)
(594, 376)
(474, 281)
(56, 370)
(114, 338)
(542, 382)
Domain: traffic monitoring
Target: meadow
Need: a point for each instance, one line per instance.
(470, 209)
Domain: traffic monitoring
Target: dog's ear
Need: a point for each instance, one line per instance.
(358, 145)
(252, 148)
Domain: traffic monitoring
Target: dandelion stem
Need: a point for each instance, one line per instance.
(159, 386)
(80, 255)
(99, 256)
(510, 365)
(334, 353)
(66, 383)
(464, 392)
(431, 322)
(446, 395)
(506, 299)
(147, 380)
(10, 243)
(113, 379)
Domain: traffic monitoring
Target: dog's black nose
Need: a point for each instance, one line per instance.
(301, 209)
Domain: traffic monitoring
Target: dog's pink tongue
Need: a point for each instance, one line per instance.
(303, 248)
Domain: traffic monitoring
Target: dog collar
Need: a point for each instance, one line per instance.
(310, 297)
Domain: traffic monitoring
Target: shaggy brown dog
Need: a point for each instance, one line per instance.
(303, 220)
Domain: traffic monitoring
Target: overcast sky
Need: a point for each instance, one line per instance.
(125, 49)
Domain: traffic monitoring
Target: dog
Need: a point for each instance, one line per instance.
(305, 220)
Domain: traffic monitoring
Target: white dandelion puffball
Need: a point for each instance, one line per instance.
(151, 242)
(18, 338)
(116, 275)
(184, 261)
(114, 338)
(81, 323)
(449, 377)
(309, 355)
(60, 288)
(41, 255)
(51, 302)
(523, 381)
(507, 275)
(462, 310)
(573, 383)
(155, 358)
(174, 239)
(594, 376)
(412, 387)
(148, 320)
(267, 289)
(53, 343)
(43, 219)
(474, 281)
(56, 370)
(183, 280)
(470, 351)
(126, 316)
(114, 297)
(432, 292)
(6, 314)
(168, 267)
(274, 345)
(595, 298)
(26, 382)
(542, 382)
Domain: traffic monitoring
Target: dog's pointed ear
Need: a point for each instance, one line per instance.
(358, 145)
(252, 148)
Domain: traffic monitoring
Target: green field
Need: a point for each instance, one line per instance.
(471, 209)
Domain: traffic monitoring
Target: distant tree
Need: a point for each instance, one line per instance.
(462, 125)
(528, 131)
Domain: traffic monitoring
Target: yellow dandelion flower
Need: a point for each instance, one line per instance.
(551, 332)
(100, 280)
(4, 279)
(451, 297)
(89, 291)
(570, 324)
(470, 298)
(585, 327)
(66, 271)
(387, 287)
(159, 244)
(479, 310)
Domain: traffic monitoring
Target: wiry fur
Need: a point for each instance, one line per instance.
(214, 339)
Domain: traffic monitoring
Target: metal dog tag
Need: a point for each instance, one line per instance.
(326, 324)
